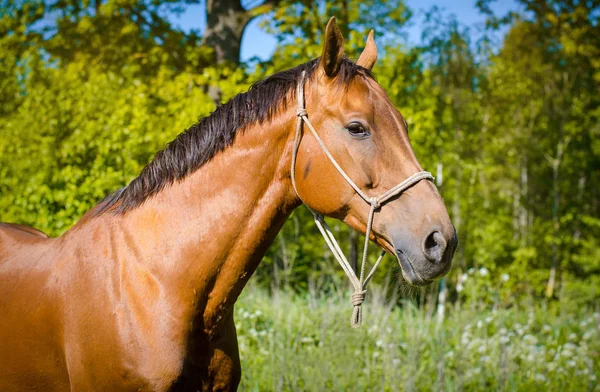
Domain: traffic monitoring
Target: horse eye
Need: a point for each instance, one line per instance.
(357, 130)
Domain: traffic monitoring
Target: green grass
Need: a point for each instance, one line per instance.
(291, 343)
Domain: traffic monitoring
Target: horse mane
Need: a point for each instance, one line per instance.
(198, 144)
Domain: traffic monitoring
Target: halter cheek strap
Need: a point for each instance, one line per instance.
(359, 283)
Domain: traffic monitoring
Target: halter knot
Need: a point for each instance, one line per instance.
(358, 297)
(301, 113)
(374, 201)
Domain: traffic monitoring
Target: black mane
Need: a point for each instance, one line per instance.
(198, 144)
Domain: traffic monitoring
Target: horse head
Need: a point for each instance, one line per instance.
(356, 127)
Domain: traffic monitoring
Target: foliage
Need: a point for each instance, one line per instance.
(106, 33)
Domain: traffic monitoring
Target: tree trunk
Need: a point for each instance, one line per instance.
(443, 292)
(226, 21)
(225, 24)
(523, 212)
(560, 149)
(555, 227)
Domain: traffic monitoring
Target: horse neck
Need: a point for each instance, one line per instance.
(205, 235)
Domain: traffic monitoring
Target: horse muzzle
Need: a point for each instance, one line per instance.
(426, 259)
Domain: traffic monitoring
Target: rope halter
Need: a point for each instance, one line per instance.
(359, 283)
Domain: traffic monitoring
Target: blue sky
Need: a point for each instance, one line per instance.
(257, 43)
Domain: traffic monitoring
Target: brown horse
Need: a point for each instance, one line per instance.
(138, 295)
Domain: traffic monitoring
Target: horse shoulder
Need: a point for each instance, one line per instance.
(119, 317)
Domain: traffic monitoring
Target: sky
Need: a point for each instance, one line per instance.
(256, 42)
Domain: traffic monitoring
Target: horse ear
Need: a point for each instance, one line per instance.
(368, 57)
(333, 48)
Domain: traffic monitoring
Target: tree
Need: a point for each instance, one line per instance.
(545, 79)
(111, 33)
(226, 21)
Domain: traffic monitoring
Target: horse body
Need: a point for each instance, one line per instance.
(138, 295)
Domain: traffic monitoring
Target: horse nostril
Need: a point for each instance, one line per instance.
(434, 247)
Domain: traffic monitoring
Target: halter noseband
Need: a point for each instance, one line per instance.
(359, 284)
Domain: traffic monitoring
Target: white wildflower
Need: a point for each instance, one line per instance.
(505, 277)
(530, 339)
(588, 335)
(465, 338)
(469, 374)
(530, 315)
(566, 353)
(483, 271)
(519, 329)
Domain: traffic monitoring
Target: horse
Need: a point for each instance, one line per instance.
(138, 294)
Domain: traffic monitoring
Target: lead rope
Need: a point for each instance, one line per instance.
(358, 283)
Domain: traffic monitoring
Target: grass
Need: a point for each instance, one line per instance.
(293, 343)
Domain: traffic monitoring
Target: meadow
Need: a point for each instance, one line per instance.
(305, 343)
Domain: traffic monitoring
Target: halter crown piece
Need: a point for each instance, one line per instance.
(359, 283)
